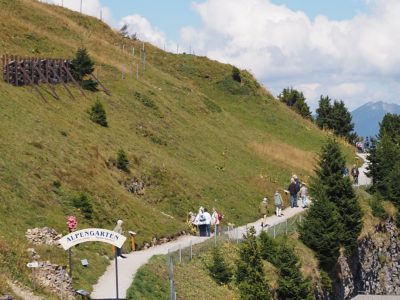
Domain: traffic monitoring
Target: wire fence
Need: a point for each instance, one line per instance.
(226, 234)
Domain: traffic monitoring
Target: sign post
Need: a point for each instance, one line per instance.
(116, 273)
(95, 235)
(33, 265)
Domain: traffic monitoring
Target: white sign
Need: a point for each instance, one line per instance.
(33, 264)
(92, 235)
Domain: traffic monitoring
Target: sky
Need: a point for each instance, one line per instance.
(346, 49)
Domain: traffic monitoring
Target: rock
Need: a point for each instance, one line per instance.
(374, 268)
(43, 236)
(6, 297)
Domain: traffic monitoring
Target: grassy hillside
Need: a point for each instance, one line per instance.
(192, 134)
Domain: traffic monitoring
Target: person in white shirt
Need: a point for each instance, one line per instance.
(207, 222)
(303, 195)
(200, 222)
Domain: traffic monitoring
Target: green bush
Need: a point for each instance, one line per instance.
(98, 115)
(377, 208)
(122, 161)
(83, 203)
(218, 269)
(236, 74)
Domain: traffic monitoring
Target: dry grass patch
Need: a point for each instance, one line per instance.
(297, 160)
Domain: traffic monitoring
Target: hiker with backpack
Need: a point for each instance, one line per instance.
(200, 222)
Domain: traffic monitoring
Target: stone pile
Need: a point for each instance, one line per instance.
(43, 236)
(134, 186)
(55, 279)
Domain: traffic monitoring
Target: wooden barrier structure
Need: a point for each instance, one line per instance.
(29, 71)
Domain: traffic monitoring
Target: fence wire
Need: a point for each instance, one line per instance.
(183, 255)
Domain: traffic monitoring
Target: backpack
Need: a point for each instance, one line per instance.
(220, 217)
(202, 218)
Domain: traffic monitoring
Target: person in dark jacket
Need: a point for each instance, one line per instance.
(293, 190)
(355, 173)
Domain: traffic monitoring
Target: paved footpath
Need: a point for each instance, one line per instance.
(127, 268)
(362, 178)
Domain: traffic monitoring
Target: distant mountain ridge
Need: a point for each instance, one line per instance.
(367, 117)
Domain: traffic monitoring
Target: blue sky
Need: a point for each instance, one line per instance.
(171, 15)
(346, 49)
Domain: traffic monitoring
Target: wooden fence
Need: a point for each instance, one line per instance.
(22, 71)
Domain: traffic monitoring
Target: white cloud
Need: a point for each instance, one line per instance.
(145, 31)
(344, 59)
(89, 7)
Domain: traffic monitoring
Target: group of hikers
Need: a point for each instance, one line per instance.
(296, 190)
(363, 145)
(203, 221)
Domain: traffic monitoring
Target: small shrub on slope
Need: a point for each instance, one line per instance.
(83, 203)
(122, 161)
(98, 115)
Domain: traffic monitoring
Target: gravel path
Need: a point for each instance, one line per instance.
(127, 268)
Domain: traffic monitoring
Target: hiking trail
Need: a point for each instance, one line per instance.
(127, 268)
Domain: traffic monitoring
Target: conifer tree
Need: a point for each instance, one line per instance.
(82, 65)
(335, 117)
(292, 284)
(394, 184)
(122, 160)
(250, 274)
(320, 230)
(269, 248)
(296, 100)
(324, 113)
(381, 158)
(219, 270)
(339, 191)
(98, 114)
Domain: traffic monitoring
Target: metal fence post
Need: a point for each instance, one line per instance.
(286, 227)
(191, 250)
(274, 232)
(180, 253)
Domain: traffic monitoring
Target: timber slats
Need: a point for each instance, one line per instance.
(24, 71)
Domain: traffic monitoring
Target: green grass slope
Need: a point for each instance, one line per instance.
(192, 134)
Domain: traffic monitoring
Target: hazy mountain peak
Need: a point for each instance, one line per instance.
(368, 116)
